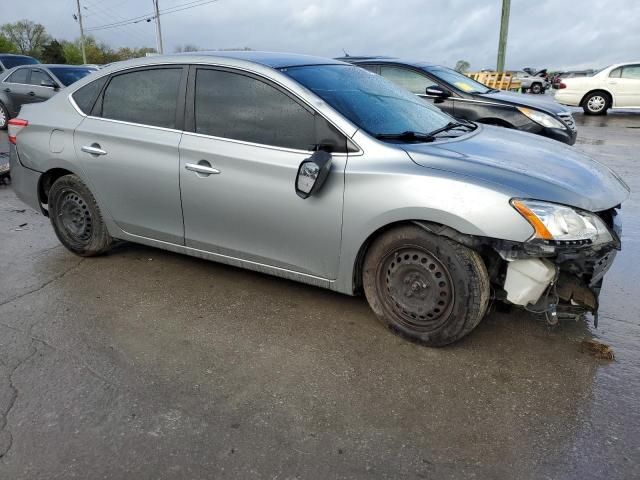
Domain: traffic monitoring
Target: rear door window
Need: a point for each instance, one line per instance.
(147, 97)
(19, 76)
(413, 81)
(235, 106)
(86, 96)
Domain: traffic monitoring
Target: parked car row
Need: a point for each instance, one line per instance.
(320, 171)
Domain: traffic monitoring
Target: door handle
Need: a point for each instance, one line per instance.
(8, 90)
(205, 169)
(32, 94)
(93, 149)
(613, 83)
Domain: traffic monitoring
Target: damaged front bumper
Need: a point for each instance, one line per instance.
(560, 280)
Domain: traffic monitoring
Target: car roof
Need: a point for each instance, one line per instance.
(384, 59)
(269, 59)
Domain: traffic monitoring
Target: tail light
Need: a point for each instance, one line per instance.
(15, 126)
(562, 85)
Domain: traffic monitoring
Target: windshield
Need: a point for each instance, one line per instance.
(372, 103)
(68, 75)
(458, 80)
(11, 61)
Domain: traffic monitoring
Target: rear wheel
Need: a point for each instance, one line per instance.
(596, 103)
(76, 218)
(424, 287)
(4, 117)
(536, 88)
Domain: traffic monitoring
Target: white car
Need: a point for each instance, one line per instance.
(617, 86)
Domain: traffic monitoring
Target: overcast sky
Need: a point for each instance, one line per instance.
(542, 33)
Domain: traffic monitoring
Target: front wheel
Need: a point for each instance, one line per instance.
(536, 88)
(424, 287)
(76, 218)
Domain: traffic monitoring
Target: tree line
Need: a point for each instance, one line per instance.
(29, 38)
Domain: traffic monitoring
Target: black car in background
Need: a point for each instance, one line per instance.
(34, 83)
(463, 97)
(9, 60)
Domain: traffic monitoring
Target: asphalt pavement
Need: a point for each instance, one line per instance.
(147, 364)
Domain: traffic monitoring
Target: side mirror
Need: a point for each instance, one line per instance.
(312, 173)
(48, 84)
(436, 91)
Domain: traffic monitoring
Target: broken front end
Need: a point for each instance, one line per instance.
(558, 273)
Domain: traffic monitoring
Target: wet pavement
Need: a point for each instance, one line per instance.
(148, 364)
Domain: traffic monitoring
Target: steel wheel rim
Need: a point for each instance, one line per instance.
(75, 217)
(596, 103)
(417, 287)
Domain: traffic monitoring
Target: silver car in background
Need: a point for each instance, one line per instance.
(319, 171)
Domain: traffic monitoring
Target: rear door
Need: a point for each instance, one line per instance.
(252, 136)
(16, 88)
(128, 148)
(625, 84)
(417, 82)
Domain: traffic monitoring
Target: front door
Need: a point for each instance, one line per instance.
(129, 151)
(37, 92)
(237, 175)
(417, 83)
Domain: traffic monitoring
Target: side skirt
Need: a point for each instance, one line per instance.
(236, 262)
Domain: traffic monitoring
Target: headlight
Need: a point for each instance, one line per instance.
(563, 224)
(542, 118)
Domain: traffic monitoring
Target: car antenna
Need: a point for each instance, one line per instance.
(345, 53)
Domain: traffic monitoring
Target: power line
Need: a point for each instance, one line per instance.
(109, 16)
(151, 16)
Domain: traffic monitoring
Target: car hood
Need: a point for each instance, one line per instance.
(528, 165)
(522, 100)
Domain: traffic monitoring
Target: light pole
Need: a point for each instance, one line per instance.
(158, 29)
(84, 54)
(504, 32)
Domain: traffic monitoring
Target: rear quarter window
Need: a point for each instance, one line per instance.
(86, 96)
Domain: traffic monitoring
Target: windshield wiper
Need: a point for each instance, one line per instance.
(407, 136)
(450, 126)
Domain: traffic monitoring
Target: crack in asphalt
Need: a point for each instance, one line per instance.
(12, 401)
(45, 284)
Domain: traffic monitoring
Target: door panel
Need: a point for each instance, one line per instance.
(137, 179)
(624, 82)
(250, 209)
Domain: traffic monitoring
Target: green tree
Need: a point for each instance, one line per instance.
(72, 52)
(462, 66)
(53, 53)
(28, 37)
(6, 46)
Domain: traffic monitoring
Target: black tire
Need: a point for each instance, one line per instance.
(537, 89)
(596, 103)
(424, 287)
(76, 217)
(4, 117)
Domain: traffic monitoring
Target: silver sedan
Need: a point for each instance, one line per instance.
(324, 173)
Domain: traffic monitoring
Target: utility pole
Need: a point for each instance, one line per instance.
(158, 29)
(84, 54)
(504, 32)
